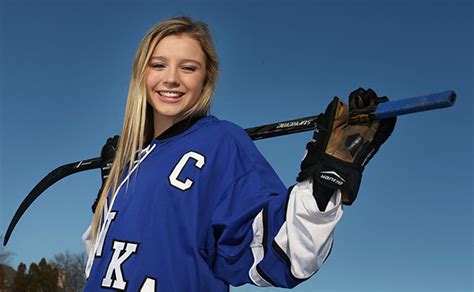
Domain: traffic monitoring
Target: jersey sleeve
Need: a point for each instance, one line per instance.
(267, 235)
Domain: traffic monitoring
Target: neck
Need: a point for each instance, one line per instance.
(178, 127)
(161, 124)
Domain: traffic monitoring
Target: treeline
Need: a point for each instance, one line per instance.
(39, 277)
(63, 273)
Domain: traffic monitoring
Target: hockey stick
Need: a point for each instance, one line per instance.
(383, 110)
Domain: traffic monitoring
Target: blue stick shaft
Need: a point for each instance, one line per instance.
(415, 104)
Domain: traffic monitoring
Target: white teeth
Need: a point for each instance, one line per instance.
(170, 93)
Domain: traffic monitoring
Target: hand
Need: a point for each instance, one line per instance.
(107, 155)
(339, 151)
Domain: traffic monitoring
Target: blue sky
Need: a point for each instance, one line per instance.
(64, 74)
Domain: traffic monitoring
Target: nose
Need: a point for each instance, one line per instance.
(171, 78)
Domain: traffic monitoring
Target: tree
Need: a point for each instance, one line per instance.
(34, 277)
(71, 270)
(21, 281)
(46, 278)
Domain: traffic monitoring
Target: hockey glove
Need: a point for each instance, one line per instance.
(107, 156)
(339, 151)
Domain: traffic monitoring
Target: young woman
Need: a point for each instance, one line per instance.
(191, 205)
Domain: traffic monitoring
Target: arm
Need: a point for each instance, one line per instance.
(269, 236)
(274, 238)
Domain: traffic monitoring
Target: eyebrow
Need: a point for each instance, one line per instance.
(162, 58)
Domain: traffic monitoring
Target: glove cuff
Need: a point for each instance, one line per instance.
(331, 174)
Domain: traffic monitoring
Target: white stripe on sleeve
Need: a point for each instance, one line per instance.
(306, 236)
(257, 250)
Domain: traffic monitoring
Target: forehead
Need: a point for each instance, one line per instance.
(179, 47)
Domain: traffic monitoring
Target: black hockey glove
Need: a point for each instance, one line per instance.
(107, 155)
(339, 151)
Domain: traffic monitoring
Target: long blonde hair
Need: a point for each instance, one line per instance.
(138, 128)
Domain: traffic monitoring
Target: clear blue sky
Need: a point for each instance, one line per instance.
(65, 69)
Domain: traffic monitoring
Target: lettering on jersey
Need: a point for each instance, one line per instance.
(122, 251)
(108, 220)
(149, 285)
(200, 160)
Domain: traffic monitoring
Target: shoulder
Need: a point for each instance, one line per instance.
(238, 156)
(222, 129)
(233, 146)
(222, 133)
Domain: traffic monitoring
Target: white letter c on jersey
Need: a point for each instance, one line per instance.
(173, 178)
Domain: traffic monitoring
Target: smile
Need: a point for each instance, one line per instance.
(172, 94)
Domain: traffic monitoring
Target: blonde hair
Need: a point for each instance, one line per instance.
(138, 126)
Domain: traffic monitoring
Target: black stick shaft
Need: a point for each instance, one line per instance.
(282, 128)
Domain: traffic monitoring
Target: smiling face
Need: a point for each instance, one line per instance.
(174, 79)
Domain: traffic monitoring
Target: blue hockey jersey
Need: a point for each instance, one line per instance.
(202, 210)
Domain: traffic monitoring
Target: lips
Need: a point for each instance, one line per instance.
(169, 96)
(172, 94)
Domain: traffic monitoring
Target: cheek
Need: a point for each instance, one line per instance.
(151, 78)
(150, 83)
(197, 84)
